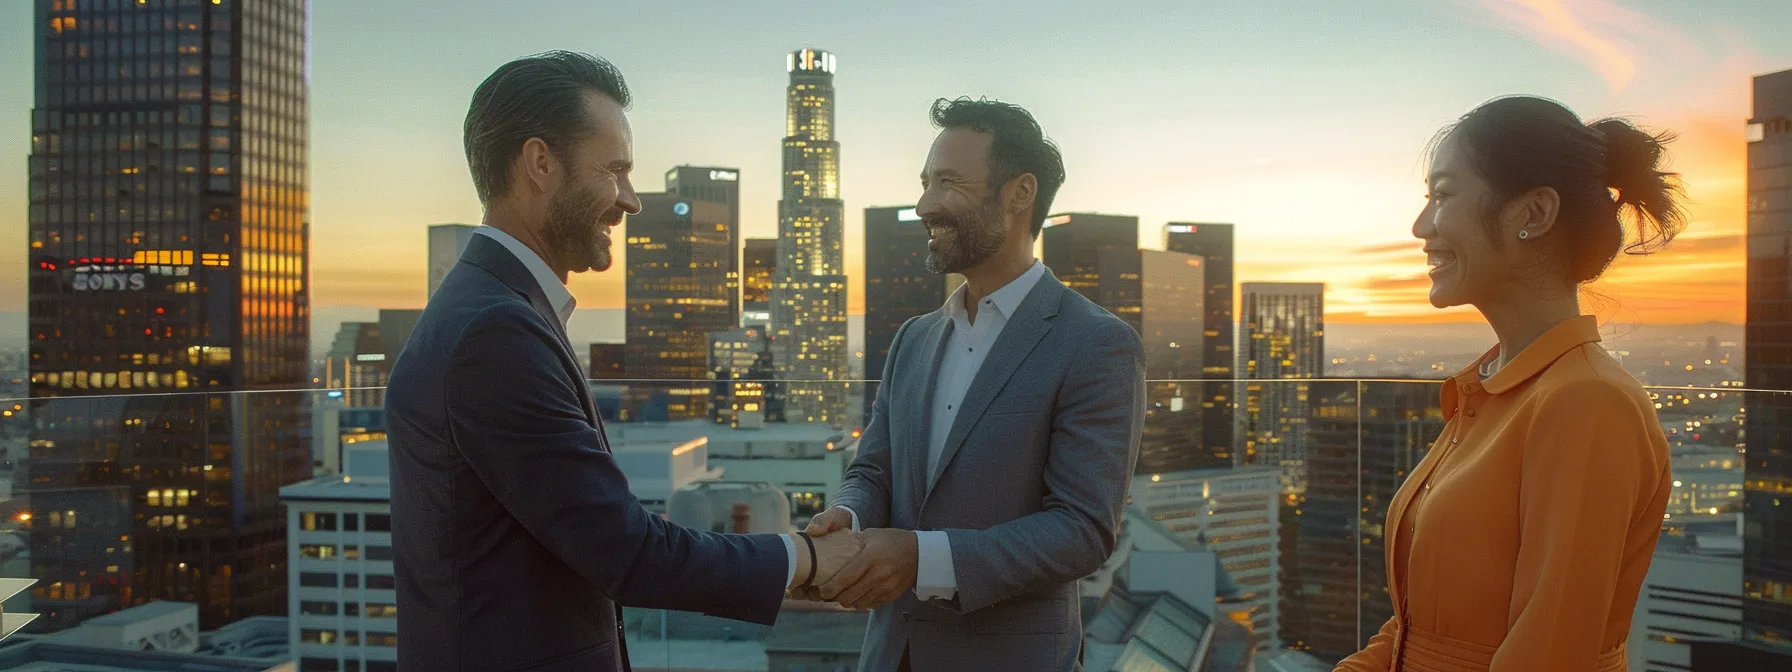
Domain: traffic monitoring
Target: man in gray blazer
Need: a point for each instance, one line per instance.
(1003, 436)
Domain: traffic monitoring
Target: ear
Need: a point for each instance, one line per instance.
(537, 167)
(1531, 215)
(1018, 193)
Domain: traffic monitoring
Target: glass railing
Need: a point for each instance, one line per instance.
(1273, 494)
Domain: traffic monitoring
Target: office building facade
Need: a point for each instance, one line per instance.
(1096, 255)
(343, 606)
(1213, 244)
(1171, 319)
(1281, 345)
(1233, 513)
(898, 285)
(759, 265)
(744, 388)
(1767, 479)
(715, 184)
(809, 288)
(677, 295)
(168, 253)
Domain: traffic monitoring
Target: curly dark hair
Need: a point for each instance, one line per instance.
(1019, 147)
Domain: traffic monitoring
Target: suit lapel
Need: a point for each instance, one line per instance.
(1031, 321)
(921, 410)
(492, 256)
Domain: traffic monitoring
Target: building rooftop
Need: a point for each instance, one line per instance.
(50, 656)
(1146, 632)
(680, 431)
(144, 612)
(339, 489)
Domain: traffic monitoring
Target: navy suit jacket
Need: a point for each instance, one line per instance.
(515, 538)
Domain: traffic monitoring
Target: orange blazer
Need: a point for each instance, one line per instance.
(1520, 541)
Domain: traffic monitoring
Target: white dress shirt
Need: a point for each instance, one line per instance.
(967, 345)
(564, 303)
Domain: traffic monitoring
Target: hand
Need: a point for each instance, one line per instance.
(832, 552)
(836, 518)
(879, 574)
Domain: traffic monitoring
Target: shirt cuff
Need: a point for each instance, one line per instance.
(790, 557)
(855, 518)
(934, 575)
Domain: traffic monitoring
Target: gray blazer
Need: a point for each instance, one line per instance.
(1029, 488)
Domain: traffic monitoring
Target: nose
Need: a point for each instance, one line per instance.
(626, 198)
(931, 205)
(1425, 225)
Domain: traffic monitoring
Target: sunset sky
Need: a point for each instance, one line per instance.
(1301, 123)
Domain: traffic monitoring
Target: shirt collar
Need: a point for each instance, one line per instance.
(558, 296)
(1532, 361)
(1005, 300)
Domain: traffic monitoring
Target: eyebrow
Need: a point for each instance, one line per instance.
(943, 172)
(619, 166)
(1438, 175)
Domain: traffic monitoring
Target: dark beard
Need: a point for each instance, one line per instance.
(571, 236)
(971, 239)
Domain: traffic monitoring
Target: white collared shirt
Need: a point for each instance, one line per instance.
(967, 346)
(558, 296)
(563, 302)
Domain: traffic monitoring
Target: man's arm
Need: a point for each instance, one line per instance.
(515, 417)
(1094, 445)
(865, 489)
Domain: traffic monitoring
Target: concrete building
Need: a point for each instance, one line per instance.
(154, 637)
(805, 461)
(342, 602)
(656, 469)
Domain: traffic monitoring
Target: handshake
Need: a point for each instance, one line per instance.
(858, 570)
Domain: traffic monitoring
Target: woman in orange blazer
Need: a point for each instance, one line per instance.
(1520, 542)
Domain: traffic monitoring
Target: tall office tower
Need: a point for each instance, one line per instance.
(809, 291)
(715, 185)
(1283, 337)
(1213, 244)
(1172, 285)
(342, 613)
(677, 295)
(1364, 440)
(1767, 536)
(898, 285)
(446, 242)
(758, 269)
(357, 365)
(1098, 257)
(1231, 511)
(168, 254)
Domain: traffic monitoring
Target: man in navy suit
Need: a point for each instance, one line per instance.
(516, 540)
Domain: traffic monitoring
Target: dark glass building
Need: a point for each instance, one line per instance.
(677, 295)
(607, 361)
(169, 248)
(809, 290)
(1767, 480)
(1213, 244)
(715, 185)
(759, 264)
(1364, 438)
(898, 285)
(1171, 289)
(1098, 257)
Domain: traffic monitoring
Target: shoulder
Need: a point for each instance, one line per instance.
(1094, 325)
(1587, 380)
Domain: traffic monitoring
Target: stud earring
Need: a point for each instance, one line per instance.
(1523, 234)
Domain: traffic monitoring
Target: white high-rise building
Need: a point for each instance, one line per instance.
(341, 596)
(1693, 592)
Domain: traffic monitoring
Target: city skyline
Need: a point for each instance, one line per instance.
(1317, 165)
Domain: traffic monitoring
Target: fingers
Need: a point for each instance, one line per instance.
(831, 520)
(833, 552)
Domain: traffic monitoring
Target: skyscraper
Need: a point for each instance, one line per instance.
(758, 269)
(898, 285)
(169, 250)
(1283, 337)
(1767, 534)
(1097, 256)
(357, 365)
(1213, 244)
(446, 242)
(677, 294)
(1364, 439)
(715, 185)
(809, 291)
(1171, 318)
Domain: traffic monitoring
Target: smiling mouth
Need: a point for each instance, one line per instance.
(1439, 260)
